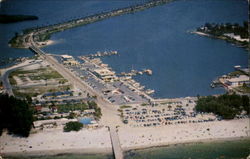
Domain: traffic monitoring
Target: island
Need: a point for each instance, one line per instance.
(4, 18)
(233, 33)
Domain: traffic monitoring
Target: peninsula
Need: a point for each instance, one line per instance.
(233, 33)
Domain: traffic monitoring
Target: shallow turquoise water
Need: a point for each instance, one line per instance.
(68, 156)
(237, 149)
(85, 120)
(216, 150)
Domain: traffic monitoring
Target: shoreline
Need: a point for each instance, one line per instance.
(106, 151)
(232, 42)
(90, 151)
(216, 140)
(97, 141)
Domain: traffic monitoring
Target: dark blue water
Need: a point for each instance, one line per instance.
(183, 64)
(49, 12)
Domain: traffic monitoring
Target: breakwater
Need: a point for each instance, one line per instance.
(41, 34)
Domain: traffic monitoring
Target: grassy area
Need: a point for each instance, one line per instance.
(236, 73)
(243, 89)
(45, 75)
(144, 104)
(34, 91)
(71, 107)
(20, 72)
(12, 80)
(22, 94)
(125, 106)
(37, 74)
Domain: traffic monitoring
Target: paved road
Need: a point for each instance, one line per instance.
(6, 83)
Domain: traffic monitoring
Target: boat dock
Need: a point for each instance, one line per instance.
(101, 54)
(135, 72)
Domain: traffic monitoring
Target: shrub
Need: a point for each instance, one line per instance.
(72, 126)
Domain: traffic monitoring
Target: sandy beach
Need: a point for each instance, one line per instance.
(55, 141)
(46, 43)
(200, 33)
(87, 141)
(186, 133)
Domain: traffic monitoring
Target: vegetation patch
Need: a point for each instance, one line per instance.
(15, 115)
(236, 73)
(227, 32)
(71, 107)
(125, 106)
(93, 105)
(4, 18)
(227, 106)
(72, 126)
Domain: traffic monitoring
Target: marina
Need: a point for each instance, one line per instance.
(116, 89)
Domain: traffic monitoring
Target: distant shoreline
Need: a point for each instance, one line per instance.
(6, 19)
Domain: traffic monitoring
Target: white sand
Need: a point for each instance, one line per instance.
(132, 138)
(200, 33)
(93, 141)
(57, 141)
(45, 43)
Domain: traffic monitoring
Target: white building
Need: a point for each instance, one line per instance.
(238, 81)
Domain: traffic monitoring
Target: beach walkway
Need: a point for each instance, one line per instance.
(115, 143)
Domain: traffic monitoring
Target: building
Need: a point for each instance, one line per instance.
(105, 74)
(89, 111)
(58, 94)
(69, 60)
(238, 81)
(52, 123)
(236, 37)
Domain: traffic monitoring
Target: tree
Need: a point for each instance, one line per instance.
(169, 107)
(15, 115)
(72, 126)
(226, 106)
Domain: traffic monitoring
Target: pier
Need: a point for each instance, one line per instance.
(117, 150)
(101, 54)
